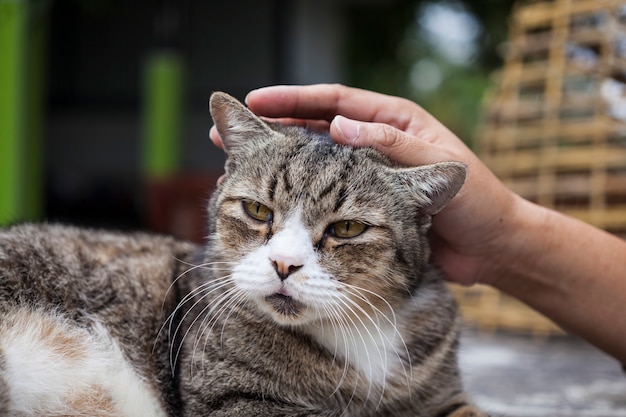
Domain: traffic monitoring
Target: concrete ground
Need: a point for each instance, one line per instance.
(518, 376)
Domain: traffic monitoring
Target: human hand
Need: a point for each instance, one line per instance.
(469, 235)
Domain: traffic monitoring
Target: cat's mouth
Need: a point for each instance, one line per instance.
(284, 304)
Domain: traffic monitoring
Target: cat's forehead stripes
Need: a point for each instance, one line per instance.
(317, 172)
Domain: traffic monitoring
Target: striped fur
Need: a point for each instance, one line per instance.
(312, 297)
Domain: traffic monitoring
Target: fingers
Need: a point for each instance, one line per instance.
(215, 137)
(396, 127)
(394, 143)
(325, 101)
(314, 125)
(305, 102)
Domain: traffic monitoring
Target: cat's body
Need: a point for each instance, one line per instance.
(76, 306)
(313, 296)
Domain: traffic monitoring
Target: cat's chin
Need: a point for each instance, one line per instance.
(285, 309)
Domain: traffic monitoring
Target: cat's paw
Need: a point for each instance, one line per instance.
(462, 410)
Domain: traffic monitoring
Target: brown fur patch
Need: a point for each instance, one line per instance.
(61, 339)
(93, 401)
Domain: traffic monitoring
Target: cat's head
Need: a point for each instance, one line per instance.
(307, 229)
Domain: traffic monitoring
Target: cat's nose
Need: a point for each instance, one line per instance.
(285, 265)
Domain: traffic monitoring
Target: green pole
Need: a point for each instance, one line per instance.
(163, 93)
(12, 45)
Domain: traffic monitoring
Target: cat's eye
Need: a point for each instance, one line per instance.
(257, 211)
(346, 229)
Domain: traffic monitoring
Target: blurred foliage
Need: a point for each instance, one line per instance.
(384, 44)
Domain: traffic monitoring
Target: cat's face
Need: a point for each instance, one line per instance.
(311, 231)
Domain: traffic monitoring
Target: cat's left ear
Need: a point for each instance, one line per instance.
(433, 186)
(238, 127)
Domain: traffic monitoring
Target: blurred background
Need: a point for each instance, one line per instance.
(103, 113)
(104, 123)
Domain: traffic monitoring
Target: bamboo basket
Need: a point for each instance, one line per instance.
(490, 311)
(554, 128)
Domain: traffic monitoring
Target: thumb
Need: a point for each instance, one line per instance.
(394, 143)
(215, 137)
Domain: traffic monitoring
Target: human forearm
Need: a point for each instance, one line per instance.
(570, 271)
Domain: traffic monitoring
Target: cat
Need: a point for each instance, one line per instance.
(314, 295)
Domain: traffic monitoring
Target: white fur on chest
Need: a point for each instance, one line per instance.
(54, 368)
(372, 346)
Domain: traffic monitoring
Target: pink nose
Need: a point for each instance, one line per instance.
(285, 265)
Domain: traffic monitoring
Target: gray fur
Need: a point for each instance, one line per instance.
(172, 306)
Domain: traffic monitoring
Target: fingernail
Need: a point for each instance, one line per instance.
(245, 100)
(349, 128)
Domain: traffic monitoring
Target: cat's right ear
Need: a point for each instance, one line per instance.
(236, 125)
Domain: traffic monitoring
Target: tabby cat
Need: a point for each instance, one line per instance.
(312, 297)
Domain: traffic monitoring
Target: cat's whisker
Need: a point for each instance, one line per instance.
(381, 298)
(386, 338)
(406, 363)
(203, 265)
(336, 321)
(170, 319)
(347, 315)
(215, 310)
(382, 355)
(357, 292)
(207, 307)
(205, 291)
(207, 288)
(392, 321)
(174, 356)
(347, 326)
(193, 267)
(211, 285)
(238, 300)
(321, 319)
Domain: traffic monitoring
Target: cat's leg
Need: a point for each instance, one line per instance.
(462, 410)
(234, 407)
(459, 406)
(256, 407)
(466, 410)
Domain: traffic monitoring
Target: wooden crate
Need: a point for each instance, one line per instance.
(554, 130)
(554, 127)
(489, 310)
